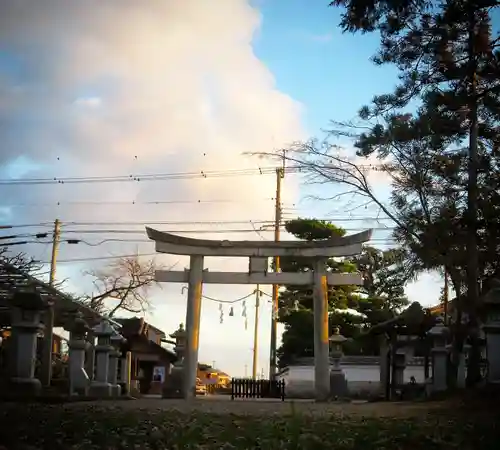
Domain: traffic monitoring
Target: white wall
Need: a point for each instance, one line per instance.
(354, 373)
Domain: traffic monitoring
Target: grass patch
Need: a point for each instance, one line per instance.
(54, 427)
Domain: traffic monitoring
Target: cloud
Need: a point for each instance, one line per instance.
(123, 87)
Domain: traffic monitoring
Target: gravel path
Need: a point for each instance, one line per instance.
(268, 407)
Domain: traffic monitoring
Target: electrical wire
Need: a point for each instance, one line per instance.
(28, 225)
(189, 222)
(124, 203)
(166, 176)
(210, 222)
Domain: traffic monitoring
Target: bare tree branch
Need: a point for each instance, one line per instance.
(125, 284)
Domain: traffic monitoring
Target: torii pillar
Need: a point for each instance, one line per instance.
(258, 253)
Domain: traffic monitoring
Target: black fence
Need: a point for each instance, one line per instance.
(249, 388)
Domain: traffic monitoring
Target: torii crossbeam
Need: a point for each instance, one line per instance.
(258, 253)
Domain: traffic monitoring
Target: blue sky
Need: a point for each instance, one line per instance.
(329, 73)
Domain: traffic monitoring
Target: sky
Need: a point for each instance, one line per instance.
(124, 88)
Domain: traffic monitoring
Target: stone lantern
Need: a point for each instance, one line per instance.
(439, 334)
(26, 310)
(100, 386)
(336, 342)
(117, 341)
(79, 379)
(180, 337)
(338, 382)
(174, 382)
(491, 330)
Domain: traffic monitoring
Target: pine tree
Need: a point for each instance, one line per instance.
(448, 61)
(380, 297)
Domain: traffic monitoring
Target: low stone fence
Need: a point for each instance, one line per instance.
(304, 389)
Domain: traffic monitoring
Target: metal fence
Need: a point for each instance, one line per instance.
(249, 388)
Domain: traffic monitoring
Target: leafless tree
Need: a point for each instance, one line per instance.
(125, 285)
(20, 261)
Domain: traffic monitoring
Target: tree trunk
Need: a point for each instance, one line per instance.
(473, 372)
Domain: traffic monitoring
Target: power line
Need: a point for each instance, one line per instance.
(123, 203)
(134, 178)
(213, 222)
(26, 225)
(139, 177)
(189, 222)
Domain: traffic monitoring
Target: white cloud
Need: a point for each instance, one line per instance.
(89, 102)
(178, 89)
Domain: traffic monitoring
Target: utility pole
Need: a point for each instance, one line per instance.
(46, 369)
(256, 333)
(280, 174)
(56, 237)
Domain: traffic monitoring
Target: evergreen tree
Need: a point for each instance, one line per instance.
(380, 297)
(449, 60)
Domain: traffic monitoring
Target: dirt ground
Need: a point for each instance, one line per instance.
(224, 405)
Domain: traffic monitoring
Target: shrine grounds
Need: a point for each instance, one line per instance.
(249, 424)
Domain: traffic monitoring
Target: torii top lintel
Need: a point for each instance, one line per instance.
(335, 246)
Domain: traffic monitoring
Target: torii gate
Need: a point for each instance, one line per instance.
(258, 253)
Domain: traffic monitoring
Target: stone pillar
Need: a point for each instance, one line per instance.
(193, 315)
(90, 354)
(462, 367)
(321, 343)
(47, 346)
(100, 387)
(399, 367)
(79, 381)
(439, 353)
(338, 382)
(492, 332)
(114, 360)
(26, 313)
(125, 372)
(384, 365)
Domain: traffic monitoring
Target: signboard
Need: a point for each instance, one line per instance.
(159, 374)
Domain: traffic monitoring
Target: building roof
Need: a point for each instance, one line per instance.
(138, 326)
(13, 279)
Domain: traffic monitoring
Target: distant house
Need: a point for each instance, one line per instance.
(150, 361)
(212, 376)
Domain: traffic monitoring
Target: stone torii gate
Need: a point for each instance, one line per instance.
(258, 253)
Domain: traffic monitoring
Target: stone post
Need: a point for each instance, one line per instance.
(114, 359)
(125, 372)
(90, 354)
(79, 381)
(492, 332)
(100, 387)
(193, 316)
(321, 337)
(439, 353)
(462, 367)
(26, 313)
(399, 367)
(384, 365)
(338, 382)
(172, 387)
